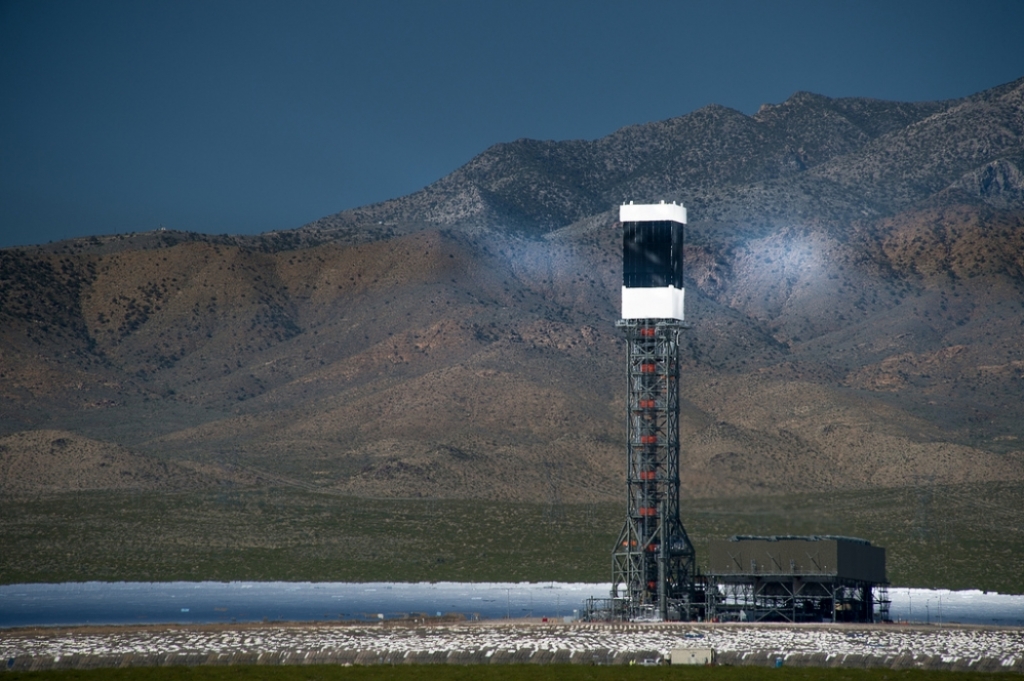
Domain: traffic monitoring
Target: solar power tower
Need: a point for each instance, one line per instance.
(653, 559)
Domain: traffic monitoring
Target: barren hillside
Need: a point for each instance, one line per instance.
(855, 281)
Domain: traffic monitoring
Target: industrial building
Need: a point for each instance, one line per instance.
(654, 564)
(796, 579)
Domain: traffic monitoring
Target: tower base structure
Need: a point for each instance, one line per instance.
(654, 572)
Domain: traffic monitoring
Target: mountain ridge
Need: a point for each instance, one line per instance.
(854, 277)
(677, 148)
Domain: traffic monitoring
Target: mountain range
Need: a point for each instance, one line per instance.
(855, 276)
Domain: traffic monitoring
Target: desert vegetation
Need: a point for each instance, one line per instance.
(955, 537)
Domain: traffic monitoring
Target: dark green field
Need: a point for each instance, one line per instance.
(499, 673)
(955, 537)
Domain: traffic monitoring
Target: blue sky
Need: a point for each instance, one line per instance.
(228, 116)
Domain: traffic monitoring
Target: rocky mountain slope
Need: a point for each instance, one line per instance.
(809, 157)
(855, 275)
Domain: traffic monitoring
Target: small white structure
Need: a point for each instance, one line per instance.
(703, 656)
(652, 260)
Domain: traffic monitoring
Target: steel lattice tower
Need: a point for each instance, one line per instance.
(653, 558)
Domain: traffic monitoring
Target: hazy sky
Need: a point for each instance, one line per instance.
(245, 116)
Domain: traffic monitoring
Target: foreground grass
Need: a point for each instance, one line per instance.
(954, 537)
(500, 673)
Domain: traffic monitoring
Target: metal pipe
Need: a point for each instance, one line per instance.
(662, 564)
